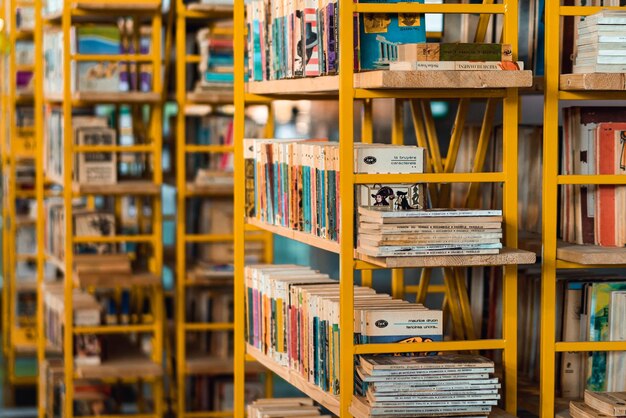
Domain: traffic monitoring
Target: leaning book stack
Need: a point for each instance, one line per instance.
(600, 43)
(293, 318)
(384, 232)
(430, 386)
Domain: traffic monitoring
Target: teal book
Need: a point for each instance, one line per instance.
(599, 331)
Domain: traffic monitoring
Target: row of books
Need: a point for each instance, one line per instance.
(213, 304)
(294, 183)
(288, 39)
(600, 43)
(88, 167)
(283, 407)
(97, 76)
(293, 317)
(384, 232)
(87, 223)
(428, 386)
(599, 404)
(593, 143)
(593, 310)
(216, 393)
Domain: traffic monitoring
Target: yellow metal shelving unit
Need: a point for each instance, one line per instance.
(568, 87)
(198, 364)
(348, 87)
(135, 369)
(20, 146)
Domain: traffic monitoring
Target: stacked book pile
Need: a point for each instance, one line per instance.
(454, 57)
(384, 232)
(216, 58)
(600, 43)
(284, 407)
(293, 318)
(429, 386)
(599, 404)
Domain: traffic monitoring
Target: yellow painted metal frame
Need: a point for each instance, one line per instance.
(182, 237)
(155, 239)
(551, 181)
(347, 94)
(14, 152)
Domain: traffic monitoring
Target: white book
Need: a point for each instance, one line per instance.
(599, 68)
(377, 159)
(455, 66)
(594, 58)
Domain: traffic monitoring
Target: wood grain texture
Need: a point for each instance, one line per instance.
(442, 79)
(591, 254)
(593, 81)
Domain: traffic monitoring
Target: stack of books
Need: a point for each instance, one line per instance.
(284, 407)
(384, 232)
(429, 386)
(455, 56)
(293, 318)
(600, 43)
(599, 404)
(216, 63)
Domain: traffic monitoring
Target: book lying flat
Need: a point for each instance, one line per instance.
(442, 363)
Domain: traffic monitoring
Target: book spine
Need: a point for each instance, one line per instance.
(456, 66)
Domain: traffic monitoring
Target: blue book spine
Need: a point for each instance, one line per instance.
(380, 35)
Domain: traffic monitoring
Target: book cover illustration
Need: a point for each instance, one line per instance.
(381, 33)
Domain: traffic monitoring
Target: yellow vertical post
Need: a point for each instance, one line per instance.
(181, 203)
(397, 138)
(68, 336)
(39, 192)
(157, 222)
(510, 147)
(239, 214)
(346, 211)
(550, 208)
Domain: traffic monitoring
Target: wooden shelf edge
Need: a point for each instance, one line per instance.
(325, 399)
(590, 254)
(211, 97)
(593, 82)
(114, 368)
(208, 365)
(129, 187)
(508, 256)
(299, 236)
(111, 280)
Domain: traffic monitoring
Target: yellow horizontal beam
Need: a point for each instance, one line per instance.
(433, 288)
(113, 148)
(430, 178)
(113, 57)
(114, 239)
(22, 380)
(193, 59)
(209, 326)
(591, 179)
(121, 416)
(114, 329)
(584, 10)
(430, 346)
(430, 8)
(591, 346)
(428, 93)
(200, 238)
(568, 265)
(209, 148)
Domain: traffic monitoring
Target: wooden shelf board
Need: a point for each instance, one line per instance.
(506, 257)
(110, 280)
(303, 237)
(590, 254)
(442, 79)
(209, 365)
(135, 188)
(323, 84)
(195, 189)
(117, 5)
(593, 81)
(211, 97)
(108, 97)
(325, 399)
(129, 366)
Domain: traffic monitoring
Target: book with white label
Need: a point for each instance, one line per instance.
(456, 66)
